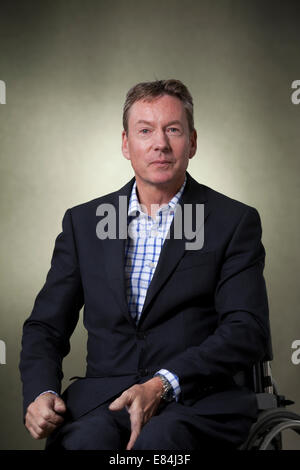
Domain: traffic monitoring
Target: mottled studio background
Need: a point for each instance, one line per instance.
(67, 65)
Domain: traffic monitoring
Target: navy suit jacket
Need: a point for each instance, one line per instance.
(205, 316)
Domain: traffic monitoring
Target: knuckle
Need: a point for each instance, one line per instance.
(32, 433)
(42, 423)
(56, 419)
(30, 408)
(46, 415)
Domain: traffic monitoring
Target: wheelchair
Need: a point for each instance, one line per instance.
(273, 417)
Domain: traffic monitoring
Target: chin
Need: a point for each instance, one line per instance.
(162, 179)
(162, 176)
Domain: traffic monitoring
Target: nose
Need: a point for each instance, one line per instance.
(161, 141)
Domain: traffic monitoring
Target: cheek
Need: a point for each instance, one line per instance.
(138, 150)
(181, 149)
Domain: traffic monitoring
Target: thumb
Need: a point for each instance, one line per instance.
(59, 405)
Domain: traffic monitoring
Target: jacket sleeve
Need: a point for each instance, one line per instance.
(241, 304)
(55, 313)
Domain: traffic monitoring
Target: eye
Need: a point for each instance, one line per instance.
(173, 130)
(144, 131)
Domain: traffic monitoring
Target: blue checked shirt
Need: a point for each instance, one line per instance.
(142, 250)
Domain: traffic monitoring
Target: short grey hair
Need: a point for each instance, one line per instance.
(150, 90)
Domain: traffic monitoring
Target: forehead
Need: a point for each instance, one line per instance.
(161, 109)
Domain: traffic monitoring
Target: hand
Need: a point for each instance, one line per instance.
(44, 415)
(141, 401)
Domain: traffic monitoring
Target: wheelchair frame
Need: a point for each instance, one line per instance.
(273, 417)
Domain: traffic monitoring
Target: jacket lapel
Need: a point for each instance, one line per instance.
(114, 250)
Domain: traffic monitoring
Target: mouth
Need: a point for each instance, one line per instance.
(161, 163)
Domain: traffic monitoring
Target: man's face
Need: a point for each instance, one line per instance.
(159, 143)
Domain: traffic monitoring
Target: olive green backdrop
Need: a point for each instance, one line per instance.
(67, 65)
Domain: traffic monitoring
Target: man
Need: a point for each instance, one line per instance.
(169, 324)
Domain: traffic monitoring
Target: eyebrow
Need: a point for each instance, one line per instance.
(142, 121)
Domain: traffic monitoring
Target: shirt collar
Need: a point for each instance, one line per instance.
(134, 208)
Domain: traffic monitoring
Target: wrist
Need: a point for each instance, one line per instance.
(156, 385)
(47, 393)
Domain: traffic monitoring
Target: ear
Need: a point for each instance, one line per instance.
(125, 149)
(193, 143)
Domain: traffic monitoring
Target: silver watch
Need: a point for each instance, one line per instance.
(167, 394)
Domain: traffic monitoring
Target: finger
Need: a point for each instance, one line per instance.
(46, 428)
(49, 403)
(41, 427)
(59, 406)
(56, 420)
(133, 437)
(43, 416)
(119, 403)
(125, 399)
(35, 430)
(42, 424)
(33, 433)
(136, 418)
(132, 440)
(54, 406)
(50, 410)
(52, 417)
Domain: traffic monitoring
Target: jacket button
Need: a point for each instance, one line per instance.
(143, 372)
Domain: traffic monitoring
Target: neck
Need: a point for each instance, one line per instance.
(153, 196)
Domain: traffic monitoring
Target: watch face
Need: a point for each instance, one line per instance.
(169, 395)
(169, 398)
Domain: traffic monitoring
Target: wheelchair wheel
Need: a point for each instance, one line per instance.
(267, 421)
